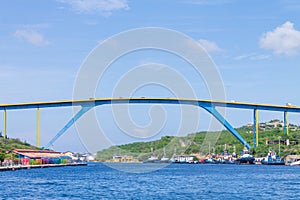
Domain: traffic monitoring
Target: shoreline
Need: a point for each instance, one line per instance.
(19, 167)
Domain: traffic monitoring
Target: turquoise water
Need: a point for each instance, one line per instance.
(177, 181)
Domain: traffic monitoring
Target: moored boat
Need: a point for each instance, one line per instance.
(209, 161)
(292, 160)
(152, 159)
(272, 159)
(164, 158)
(245, 158)
(227, 158)
(295, 163)
(184, 159)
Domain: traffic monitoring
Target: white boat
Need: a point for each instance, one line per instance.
(164, 157)
(152, 159)
(295, 163)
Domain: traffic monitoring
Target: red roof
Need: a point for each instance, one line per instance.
(38, 153)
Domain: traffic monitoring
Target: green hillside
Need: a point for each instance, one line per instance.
(194, 143)
(7, 145)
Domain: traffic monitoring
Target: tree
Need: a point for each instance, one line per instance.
(2, 156)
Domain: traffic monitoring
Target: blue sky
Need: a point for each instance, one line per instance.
(255, 45)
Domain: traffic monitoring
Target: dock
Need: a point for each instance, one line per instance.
(19, 167)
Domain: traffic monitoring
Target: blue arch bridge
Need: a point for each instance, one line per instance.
(208, 105)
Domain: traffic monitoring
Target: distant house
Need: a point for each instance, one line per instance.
(276, 123)
(71, 155)
(285, 142)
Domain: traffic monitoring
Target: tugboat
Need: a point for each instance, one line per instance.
(210, 159)
(272, 159)
(245, 157)
(226, 157)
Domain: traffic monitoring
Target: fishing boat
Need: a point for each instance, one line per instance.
(272, 159)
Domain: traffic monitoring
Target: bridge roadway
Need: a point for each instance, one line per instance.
(208, 105)
(101, 101)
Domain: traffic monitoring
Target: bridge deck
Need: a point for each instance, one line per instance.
(208, 105)
(102, 101)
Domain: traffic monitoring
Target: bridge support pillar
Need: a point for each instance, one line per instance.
(286, 123)
(81, 112)
(211, 109)
(255, 128)
(4, 124)
(38, 127)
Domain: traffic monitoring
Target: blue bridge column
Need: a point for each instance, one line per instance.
(212, 110)
(255, 128)
(81, 112)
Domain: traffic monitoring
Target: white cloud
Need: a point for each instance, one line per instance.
(260, 57)
(210, 46)
(252, 56)
(105, 7)
(33, 37)
(282, 40)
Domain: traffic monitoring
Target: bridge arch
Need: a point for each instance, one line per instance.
(207, 106)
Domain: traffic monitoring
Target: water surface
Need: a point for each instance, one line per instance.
(177, 181)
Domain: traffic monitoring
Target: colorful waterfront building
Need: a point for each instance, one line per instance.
(38, 157)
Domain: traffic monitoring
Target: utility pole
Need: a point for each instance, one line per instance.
(279, 145)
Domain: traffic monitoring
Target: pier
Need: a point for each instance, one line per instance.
(19, 167)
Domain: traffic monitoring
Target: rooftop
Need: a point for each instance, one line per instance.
(38, 153)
